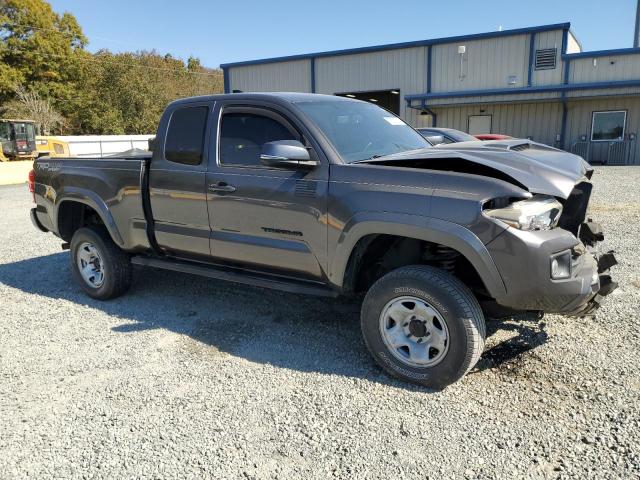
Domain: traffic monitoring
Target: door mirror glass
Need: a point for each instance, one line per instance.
(286, 154)
(435, 139)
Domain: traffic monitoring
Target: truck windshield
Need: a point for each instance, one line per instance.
(360, 131)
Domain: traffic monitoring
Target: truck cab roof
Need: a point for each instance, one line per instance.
(277, 97)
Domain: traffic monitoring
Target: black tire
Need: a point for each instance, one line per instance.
(455, 304)
(114, 263)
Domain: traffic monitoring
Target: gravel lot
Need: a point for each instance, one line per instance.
(187, 377)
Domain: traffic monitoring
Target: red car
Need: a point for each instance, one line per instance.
(492, 136)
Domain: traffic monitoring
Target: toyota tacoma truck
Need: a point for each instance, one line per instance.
(323, 195)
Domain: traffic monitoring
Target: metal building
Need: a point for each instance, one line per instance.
(532, 82)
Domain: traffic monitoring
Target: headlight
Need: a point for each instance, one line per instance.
(539, 212)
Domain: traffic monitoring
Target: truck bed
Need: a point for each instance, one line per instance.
(111, 186)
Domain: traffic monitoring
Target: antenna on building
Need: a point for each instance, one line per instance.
(636, 38)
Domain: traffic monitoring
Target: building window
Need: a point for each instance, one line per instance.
(185, 135)
(546, 58)
(608, 126)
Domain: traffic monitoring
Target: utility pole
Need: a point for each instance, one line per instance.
(636, 38)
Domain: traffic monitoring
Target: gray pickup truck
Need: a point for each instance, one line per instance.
(323, 195)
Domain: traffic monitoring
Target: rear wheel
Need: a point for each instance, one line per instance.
(423, 325)
(101, 268)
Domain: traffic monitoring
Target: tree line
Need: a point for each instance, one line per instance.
(47, 75)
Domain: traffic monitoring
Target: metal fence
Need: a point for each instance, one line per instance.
(103, 148)
(582, 149)
(104, 145)
(607, 153)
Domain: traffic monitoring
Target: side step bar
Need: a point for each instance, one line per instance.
(237, 276)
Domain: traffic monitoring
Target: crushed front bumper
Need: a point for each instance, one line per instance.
(524, 258)
(590, 234)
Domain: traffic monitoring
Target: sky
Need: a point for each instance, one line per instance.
(236, 30)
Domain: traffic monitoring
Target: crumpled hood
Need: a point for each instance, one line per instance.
(540, 168)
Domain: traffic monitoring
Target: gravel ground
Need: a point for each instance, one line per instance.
(186, 377)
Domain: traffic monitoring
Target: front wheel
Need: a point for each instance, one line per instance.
(101, 268)
(423, 326)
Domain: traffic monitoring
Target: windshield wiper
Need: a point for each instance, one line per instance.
(372, 157)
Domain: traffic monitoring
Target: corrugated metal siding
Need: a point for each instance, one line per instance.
(403, 68)
(572, 44)
(624, 67)
(541, 121)
(272, 77)
(487, 64)
(552, 39)
(625, 91)
(579, 122)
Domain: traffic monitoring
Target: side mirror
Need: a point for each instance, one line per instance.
(435, 139)
(286, 154)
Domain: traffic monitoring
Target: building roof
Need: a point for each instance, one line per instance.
(394, 46)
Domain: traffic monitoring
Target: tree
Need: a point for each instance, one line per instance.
(38, 48)
(100, 93)
(30, 105)
(127, 92)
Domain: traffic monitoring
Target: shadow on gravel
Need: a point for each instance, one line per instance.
(290, 331)
(530, 334)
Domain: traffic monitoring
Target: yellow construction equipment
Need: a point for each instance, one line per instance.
(18, 140)
(51, 146)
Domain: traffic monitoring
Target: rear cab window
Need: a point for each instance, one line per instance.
(185, 135)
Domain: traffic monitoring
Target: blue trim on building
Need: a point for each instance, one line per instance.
(524, 90)
(226, 81)
(567, 71)
(429, 63)
(563, 125)
(604, 53)
(434, 118)
(313, 75)
(532, 49)
(394, 46)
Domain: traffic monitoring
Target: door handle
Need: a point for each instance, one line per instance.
(221, 187)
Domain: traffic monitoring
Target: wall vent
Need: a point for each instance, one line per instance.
(546, 58)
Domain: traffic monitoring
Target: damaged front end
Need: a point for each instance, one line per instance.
(546, 250)
(590, 234)
(552, 263)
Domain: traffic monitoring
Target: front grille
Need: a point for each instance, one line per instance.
(575, 208)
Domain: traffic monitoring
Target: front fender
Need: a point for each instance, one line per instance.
(421, 228)
(93, 200)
